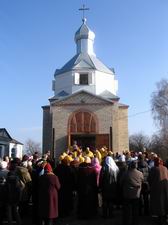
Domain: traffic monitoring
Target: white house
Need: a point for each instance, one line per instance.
(9, 146)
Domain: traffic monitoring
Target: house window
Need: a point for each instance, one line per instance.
(13, 153)
(2, 152)
(83, 80)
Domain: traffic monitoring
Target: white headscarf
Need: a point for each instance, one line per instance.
(87, 159)
(109, 161)
(3, 164)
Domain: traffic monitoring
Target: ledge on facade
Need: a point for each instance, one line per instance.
(45, 106)
(121, 105)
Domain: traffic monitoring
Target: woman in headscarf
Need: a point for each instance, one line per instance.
(108, 185)
(48, 196)
(158, 181)
(66, 178)
(144, 196)
(97, 167)
(37, 171)
(87, 190)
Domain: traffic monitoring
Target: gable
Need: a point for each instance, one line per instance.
(4, 134)
(82, 97)
(84, 64)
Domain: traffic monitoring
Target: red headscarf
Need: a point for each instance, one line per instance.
(157, 161)
(48, 168)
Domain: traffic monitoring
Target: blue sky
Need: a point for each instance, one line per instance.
(36, 37)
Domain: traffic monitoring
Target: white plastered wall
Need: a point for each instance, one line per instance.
(105, 81)
(18, 148)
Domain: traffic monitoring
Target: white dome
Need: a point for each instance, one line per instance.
(84, 32)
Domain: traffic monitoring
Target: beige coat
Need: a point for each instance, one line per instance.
(131, 183)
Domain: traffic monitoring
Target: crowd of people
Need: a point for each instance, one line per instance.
(85, 182)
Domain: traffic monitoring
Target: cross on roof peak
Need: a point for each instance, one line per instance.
(83, 9)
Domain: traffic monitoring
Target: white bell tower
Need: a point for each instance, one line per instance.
(85, 71)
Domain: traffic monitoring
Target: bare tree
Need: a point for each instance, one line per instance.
(159, 145)
(138, 142)
(159, 104)
(31, 147)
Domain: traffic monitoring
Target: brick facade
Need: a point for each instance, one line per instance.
(108, 113)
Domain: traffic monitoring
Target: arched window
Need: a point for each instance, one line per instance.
(83, 122)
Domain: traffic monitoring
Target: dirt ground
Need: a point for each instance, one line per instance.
(98, 220)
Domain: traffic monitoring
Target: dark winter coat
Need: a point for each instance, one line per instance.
(13, 188)
(48, 196)
(158, 181)
(87, 191)
(107, 184)
(143, 167)
(24, 176)
(65, 193)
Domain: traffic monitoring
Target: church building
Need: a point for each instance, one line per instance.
(85, 106)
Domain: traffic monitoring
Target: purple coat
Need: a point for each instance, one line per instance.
(48, 196)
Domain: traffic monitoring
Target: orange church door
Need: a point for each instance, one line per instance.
(102, 140)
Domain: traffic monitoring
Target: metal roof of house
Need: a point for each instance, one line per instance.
(5, 136)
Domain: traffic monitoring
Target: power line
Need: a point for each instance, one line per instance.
(143, 112)
(133, 115)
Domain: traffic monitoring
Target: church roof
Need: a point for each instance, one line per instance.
(105, 95)
(84, 97)
(84, 32)
(109, 95)
(84, 61)
(55, 99)
(60, 95)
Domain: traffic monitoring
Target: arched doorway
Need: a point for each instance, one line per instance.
(83, 127)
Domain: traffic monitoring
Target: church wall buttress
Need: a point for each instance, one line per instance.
(47, 130)
(123, 129)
